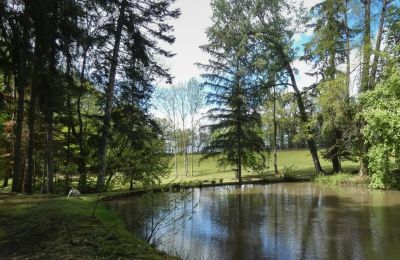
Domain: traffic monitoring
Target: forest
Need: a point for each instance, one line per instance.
(88, 102)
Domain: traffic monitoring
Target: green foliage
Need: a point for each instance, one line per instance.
(334, 116)
(327, 45)
(381, 112)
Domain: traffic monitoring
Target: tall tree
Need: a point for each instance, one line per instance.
(274, 29)
(327, 50)
(109, 95)
(15, 30)
(375, 61)
(236, 123)
(146, 23)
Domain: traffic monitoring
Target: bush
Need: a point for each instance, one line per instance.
(381, 114)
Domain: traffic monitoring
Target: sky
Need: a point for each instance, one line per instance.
(190, 32)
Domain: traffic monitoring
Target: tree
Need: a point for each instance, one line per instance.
(274, 29)
(182, 99)
(167, 99)
(146, 23)
(327, 49)
(15, 34)
(236, 123)
(196, 102)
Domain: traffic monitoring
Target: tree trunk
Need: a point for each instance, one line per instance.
(35, 86)
(18, 136)
(131, 184)
(109, 99)
(176, 150)
(49, 148)
(304, 119)
(82, 150)
(7, 171)
(50, 96)
(336, 164)
(31, 144)
(366, 46)
(348, 61)
(21, 84)
(378, 45)
(43, 187)
(365, 74)
(239, 163)
(275, 133)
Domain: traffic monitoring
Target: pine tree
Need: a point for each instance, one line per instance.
(236, 123)
(139, 27)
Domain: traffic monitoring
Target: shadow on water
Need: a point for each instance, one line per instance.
(284, 221)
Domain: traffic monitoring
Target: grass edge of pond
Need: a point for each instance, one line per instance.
(57, 227)
(344, 180)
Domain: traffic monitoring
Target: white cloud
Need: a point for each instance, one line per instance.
(190, 32)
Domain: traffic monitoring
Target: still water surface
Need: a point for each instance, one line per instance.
(277, 221)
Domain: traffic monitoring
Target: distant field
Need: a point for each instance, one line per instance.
(299, 161)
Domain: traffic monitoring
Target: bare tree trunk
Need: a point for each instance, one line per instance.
(304, 119)
(82, 150)
(49, 148)
(365, 74)
(109, 99)
(239, 162)
(372, 79)
(31, 144)
(348, 62)
(275, 133)
(18, 133)
(43, 188)
(20, 85)
(366, 46)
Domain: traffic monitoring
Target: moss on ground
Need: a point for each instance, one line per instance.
(54, 227)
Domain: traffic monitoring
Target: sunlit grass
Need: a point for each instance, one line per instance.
(298, 161)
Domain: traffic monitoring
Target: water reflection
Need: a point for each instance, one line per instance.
(279, 221)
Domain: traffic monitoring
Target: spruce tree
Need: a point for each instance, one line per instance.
(236, 123)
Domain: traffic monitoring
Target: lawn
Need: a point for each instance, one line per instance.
(295, 162)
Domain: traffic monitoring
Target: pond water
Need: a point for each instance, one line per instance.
(276, 221)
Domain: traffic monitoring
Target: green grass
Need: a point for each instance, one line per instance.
(54, 227)
(343, 179)
(298, 161)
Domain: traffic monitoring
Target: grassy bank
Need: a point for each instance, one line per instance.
(62, 228)
(344, 179)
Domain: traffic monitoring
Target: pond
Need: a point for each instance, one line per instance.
(284, 221)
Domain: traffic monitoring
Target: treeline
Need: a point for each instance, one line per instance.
(76, 80)
(351, 110)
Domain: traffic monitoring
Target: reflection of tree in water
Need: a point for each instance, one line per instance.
(163, 213)
(284, 221)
